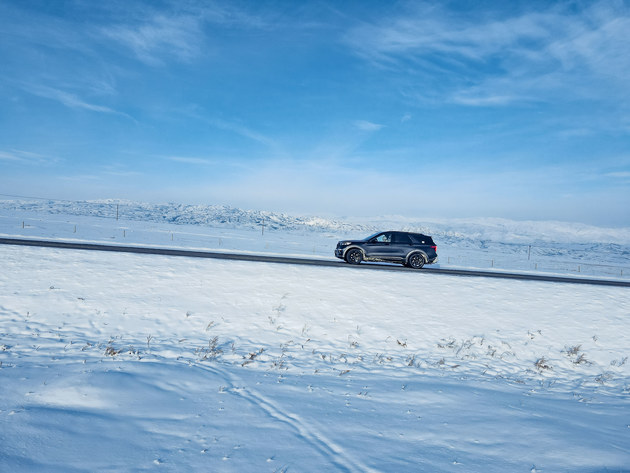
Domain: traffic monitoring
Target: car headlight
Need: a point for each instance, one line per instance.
(345, 243)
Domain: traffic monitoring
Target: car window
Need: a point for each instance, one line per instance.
(401, 238)
(371, 237)
(383, 238)
(419, 238)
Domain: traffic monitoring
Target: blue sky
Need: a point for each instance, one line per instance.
(424, 109)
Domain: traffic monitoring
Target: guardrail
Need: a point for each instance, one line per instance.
(542, 265)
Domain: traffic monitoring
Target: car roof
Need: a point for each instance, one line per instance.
(415, 234)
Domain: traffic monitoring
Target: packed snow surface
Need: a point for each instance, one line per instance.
(125, 362)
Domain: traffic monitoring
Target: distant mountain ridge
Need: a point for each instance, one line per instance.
(184, 214)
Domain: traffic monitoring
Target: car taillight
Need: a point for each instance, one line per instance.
(434, 248)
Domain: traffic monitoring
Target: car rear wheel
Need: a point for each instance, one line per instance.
(416, 261)
(354, 256)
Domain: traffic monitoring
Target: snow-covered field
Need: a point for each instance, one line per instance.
(119, 362)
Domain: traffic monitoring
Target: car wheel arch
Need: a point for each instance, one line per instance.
(350, 250)
(417, 252)
(353, 247)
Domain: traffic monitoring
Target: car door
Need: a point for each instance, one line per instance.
(379, 246)
(400, 246)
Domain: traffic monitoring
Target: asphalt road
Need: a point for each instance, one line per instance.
(306, 261)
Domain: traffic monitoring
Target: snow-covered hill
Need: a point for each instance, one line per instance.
(480, 229)
(213, 215)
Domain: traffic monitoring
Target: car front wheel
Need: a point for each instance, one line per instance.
(416, 261)
(354, 256)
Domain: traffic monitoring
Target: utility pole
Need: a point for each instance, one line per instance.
(263, 226)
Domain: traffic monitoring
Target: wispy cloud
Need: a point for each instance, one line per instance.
(192, 160)
(233, 125)
(431, 31)
(210, 162)
(365, 125)
(495, 60)
(177, 34)
(25, 157)
(70, 100)
(40, 31)
(81, 178)
(483, 98)
(160, 36)
(123, 173)
(9, 156)
(243, 131)
(619, 175)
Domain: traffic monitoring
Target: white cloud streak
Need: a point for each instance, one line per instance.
(499, 61)
(159, 37)
(191, 160)
(365, 125)
(244, 131)
(70, 100)
(196, 161)
(4, 156)
(156, 38)
(25, 157)
(619, 175)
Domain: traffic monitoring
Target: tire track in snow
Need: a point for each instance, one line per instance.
(318, 441)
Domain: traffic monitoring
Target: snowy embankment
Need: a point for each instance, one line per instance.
(117, 362)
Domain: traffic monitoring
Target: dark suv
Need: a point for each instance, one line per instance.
(410, 249)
